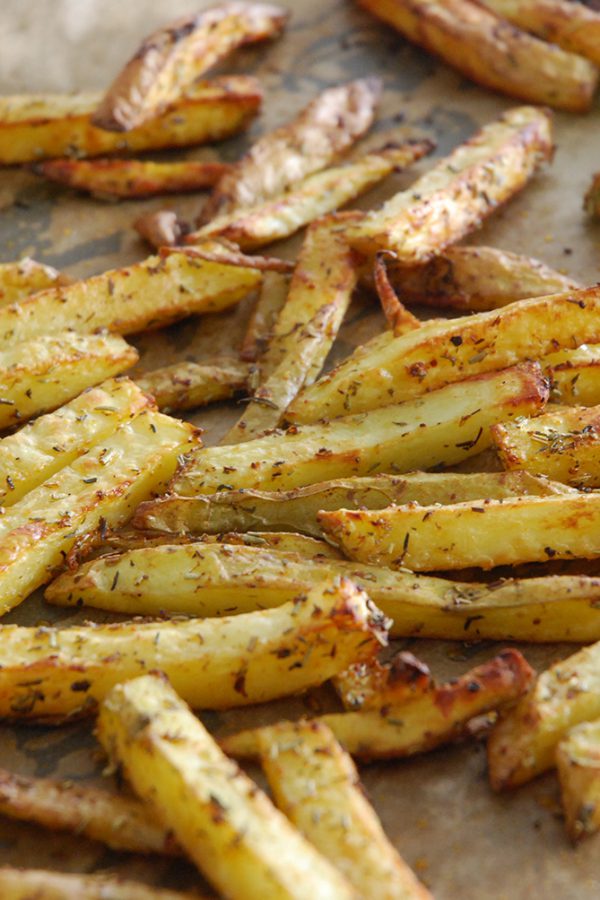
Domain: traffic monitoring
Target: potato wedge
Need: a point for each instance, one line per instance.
(373, 685)
(315, 783)
(578, 765)
(41, 374)
(174, 57)
(227, 825)
(52, 673)
(273, 294)
(476, 279)
(187, 385)
(591, 202)
(35, 127)
(121, 823)
(523, 743)
(443, 427)
(575, 376)
(389, 369)
(324, 192)
(284, 541)
(220, 250)
(422, 724)
(484, 534)
(26, 884)
(492, 52)
(398, 317)
(296, 510)
(131, 178)
(460, 191)
(563, 444)
(330, 124)
(142, 296)
(36, 452)
(20, 279)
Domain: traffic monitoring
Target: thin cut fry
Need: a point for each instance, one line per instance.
(26, 884)
(399, 319)
(578, 765)
(20, 279)
(269, 303)
(188, 385)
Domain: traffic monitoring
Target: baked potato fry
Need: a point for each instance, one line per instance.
(284, 541)
(227, 825)
(461, 190)
(220, 250)
(130, 178)
(578, 766)
(523, 743)
(25, 884)
(315, 783)
(575, 376)
(390, 369)
(421, 724)
(272, 295)
(373, 685)
(399, 318)
(591, 202)
(491, 51)
(49, 443)
(187, 385)
(52, 673)
(330, 124)
(41, 126)
(20, 279)
(172, 58)
(41, 374)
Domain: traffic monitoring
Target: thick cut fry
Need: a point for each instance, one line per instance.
(563, 444)
(187, 385)
(39, 375)
(330, 124)
(272, 296)
(35, 127)
(317, 195)
(213, 664)
(373, 685)
(131, 178)
(20, 279)
(122, 823)
(591, 202)
(172, 58)
(390, 369)
(443, 427)
(578, 765)
(315, 783)
(53, 441)
(216, 580)
(485, 534)
(475, 279)
(491, 51)
(399, 319)
(458, 193)
(575, 376)
(227, 825)
(99, 489)
(38, 884)
(296, 510)
(423, 723)
(145, 295)
(523, 743)
(572, 26)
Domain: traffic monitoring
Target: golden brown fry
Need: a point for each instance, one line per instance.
(399, 319)
(269, 303)
(20, 279)
(491, 51)
(281, 541)
(159, 229)
(220, 250)
(187, 385)
(27, 884)
(578, 765)
(591, 202)
(35, 127)
(330, 124)
(373, 685)
(172, 58)
(575, 376)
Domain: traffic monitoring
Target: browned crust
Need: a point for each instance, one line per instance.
(224, 251)
(398, 317)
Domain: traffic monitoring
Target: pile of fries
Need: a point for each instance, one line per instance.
(334, 515)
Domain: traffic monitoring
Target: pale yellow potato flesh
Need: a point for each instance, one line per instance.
(578, 767)
(187, 385)
(20, 279)
(26, 884)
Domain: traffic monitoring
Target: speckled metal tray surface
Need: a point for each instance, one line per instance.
(438, 809)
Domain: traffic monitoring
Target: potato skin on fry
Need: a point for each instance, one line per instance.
(187, 385)
(26, 884)
(578, 765)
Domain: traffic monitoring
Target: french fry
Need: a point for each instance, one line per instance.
(204, 579)
(318, 194)
(315, 783)
(421, 724)
(591, 202)
(572, 26)
(491, 51)
(25, 884)
(220, 250)
(172, 58)
(131, 178)
(578, 765)
(391, 369)
(20, 279)
(476, 279)
(142, 296)
(443, 427)
(485, 534)
(461, 190)
(523, 743)
(575, 376)
(563, 444)
(36, 452)
(227, 825)
(272, 296)
(286, 542)
(330, 124)
(99, 489)
(119, 822)
(374, 685)
(160, 228)
(187, 385)
(35, 127)
(41, 374)
(213, 663)
(399, 319)
(296, 510)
